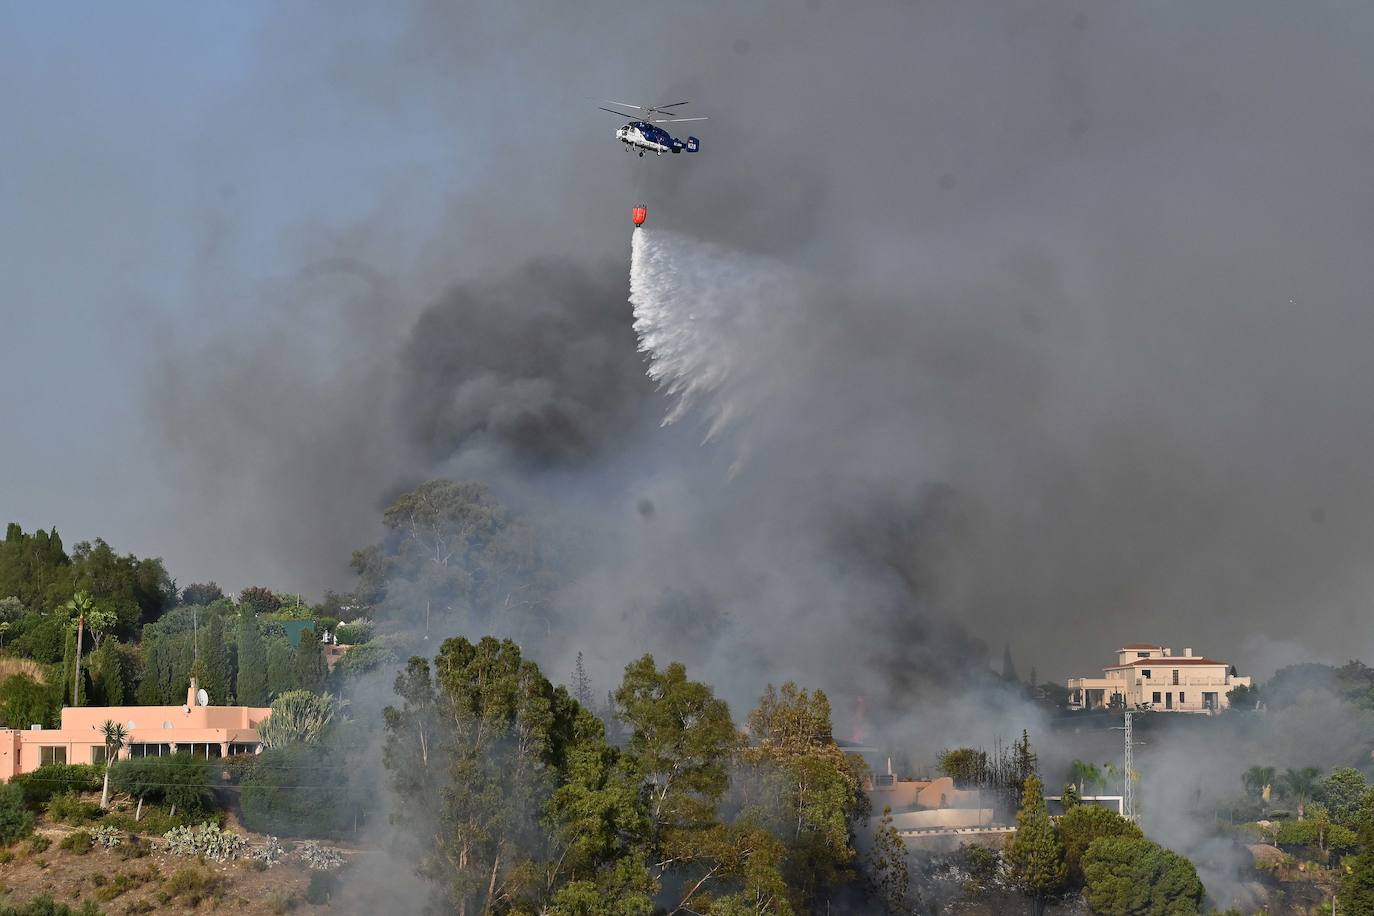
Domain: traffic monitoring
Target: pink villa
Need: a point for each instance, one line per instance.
(154, 731)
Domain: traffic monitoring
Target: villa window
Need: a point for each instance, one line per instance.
(51, 754)
(203, 750)
(150, 750)
(1156, 696)
(1142, 655)
(1175, 677)
(242, 747)
(1145, 673)
(98, 754)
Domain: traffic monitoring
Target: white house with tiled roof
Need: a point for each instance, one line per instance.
(1149, 675)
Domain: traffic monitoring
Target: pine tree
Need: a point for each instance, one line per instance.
(581, 685)
(886, 867)
(311, 670)
(1024, 759)
(252, 675)
(1035, 859)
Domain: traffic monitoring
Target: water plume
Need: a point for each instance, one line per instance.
(699, 309)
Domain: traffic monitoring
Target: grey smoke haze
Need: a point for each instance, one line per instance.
(1095, 274)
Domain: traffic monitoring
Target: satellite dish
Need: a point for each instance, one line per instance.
(167, 724)
(202, 698)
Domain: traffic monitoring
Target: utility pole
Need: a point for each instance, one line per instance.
(1129, 755)
(1128, 788)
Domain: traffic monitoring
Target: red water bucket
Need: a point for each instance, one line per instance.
(639, 214)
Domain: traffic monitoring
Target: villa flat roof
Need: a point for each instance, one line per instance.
(1165, 662)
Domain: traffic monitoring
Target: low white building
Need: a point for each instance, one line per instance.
(1148, 675)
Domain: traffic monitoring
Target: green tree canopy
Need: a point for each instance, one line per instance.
(1342, 792)
(218, 678)
(1357, 886)
(201, 593)
(809, 791)
(1035, 858)
(251, 683)
(311, 670)
(298, 790)
(281, 666)
(1136, 877)
(1080, 826)
(260, 601)
(965, 765)
(680, 745)
(473, 753)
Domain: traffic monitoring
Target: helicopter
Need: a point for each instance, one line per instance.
(642, 134)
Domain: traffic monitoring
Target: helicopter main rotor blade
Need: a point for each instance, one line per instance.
(624, 104)
(670, 105)
(677, 120)
(623, 114)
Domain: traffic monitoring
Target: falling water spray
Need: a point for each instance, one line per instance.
(696, 305)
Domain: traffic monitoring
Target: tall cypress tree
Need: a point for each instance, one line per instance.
(108, 665)
(281, 667)
(217, 680)
(1035, 857)
(252, 679)
(311, 670)
(149, 691)
(69, 682)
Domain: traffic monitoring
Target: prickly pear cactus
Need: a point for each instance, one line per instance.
(180, 841)
(206, 840)
(107, 836)
(320, 858)
(270, 853)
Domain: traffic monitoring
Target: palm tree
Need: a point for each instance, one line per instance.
(1257, 779)
(1299, 785)
(115, 736)
(1085, 775)
(80, 606)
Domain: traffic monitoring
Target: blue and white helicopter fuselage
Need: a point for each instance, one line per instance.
(645, 137)
(643, 133)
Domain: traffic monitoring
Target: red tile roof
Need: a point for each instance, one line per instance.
(1169, 661)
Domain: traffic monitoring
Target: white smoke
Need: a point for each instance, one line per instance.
(699, 311)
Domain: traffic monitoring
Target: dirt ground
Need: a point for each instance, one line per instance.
(101, 875)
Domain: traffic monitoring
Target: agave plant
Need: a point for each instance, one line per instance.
(298, 717)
